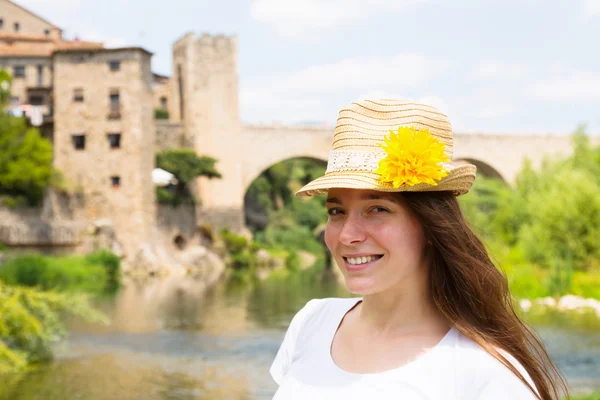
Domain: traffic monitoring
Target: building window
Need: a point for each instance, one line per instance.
(115, 181)
(47, 32)
(78, 95)
(40, 75)
(115, 104)
(79, 142)
(19, 71)
(36, 100)
(17, 27)
(1, 23)
(163, 103)
(115, 65)
(114, 140)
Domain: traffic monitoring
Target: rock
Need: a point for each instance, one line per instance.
(546, 301)
(525, 304)
(277, 263)
(144, 262)
(307, 259)
(263, 258)
(202, 264)
(572, 302)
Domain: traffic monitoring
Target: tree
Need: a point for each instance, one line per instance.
(186, 165)
(5, 82)
(25, 159)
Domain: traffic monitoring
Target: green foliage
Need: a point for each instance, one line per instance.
(241, 250)
(160, 113)
(186, 165)
(30, 321)
(95, 273)
(546, 228)
(291, 220)
(592, 396)
(5, 84)
(25, 160)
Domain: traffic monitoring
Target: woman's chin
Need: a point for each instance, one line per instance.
(360, 286)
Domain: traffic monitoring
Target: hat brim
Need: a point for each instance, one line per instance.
(459, 180)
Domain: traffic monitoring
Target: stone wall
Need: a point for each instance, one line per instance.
(169, 135)
(28, 22)
(52, 224)
(173, 221)
(161, 89)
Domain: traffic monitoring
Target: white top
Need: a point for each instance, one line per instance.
(455, 369)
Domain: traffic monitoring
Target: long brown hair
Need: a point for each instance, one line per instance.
(473, 294)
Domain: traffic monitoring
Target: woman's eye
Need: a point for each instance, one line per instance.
(378, 210)
(334, 211)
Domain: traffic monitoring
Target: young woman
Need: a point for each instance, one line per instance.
(434, 319)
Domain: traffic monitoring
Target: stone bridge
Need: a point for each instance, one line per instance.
(499, 156)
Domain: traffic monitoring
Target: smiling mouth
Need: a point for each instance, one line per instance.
(362, 260)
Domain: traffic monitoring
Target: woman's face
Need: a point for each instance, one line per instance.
(375, 240)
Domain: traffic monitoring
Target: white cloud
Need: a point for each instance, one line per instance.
(577, 86)
(305, 18)
(491, 69)
(591, 8)
(307, 90)
(403, 70)
(491, 111)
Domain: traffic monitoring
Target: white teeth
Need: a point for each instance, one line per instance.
(361, 260)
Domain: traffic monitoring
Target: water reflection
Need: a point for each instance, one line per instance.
(111, 377)
(173, 339)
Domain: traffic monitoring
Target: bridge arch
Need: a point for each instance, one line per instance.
(483, 168)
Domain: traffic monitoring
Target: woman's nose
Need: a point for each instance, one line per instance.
(353, 231)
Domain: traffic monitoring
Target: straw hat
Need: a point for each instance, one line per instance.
(362, 131)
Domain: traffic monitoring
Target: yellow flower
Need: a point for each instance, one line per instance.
(413, 157)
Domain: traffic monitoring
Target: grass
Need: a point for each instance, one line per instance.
(94, 273)
(593, 396)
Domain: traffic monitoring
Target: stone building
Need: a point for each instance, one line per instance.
(104, 135)
(97, 108)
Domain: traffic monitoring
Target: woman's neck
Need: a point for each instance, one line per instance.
(396, 311)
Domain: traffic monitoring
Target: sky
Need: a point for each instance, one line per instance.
(494, 66)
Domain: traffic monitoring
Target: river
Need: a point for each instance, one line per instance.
(171, 340)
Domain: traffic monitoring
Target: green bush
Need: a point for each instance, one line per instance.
(593, 396)
(25, 161)
(14, 201)
(234, 243)
(30, 321)
(112, 267)
(96, 273)
(545, 229)
(161, 113)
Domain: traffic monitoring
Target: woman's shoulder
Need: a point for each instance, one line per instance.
(317, 311)
(318, 307)
(481, 372)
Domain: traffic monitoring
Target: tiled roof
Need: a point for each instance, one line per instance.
(43, 49)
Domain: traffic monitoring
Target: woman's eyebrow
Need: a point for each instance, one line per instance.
(373, 196)
(333, 200)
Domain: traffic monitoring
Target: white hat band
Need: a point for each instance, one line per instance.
(358, 160)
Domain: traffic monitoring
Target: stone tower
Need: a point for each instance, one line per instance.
(205, 98)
